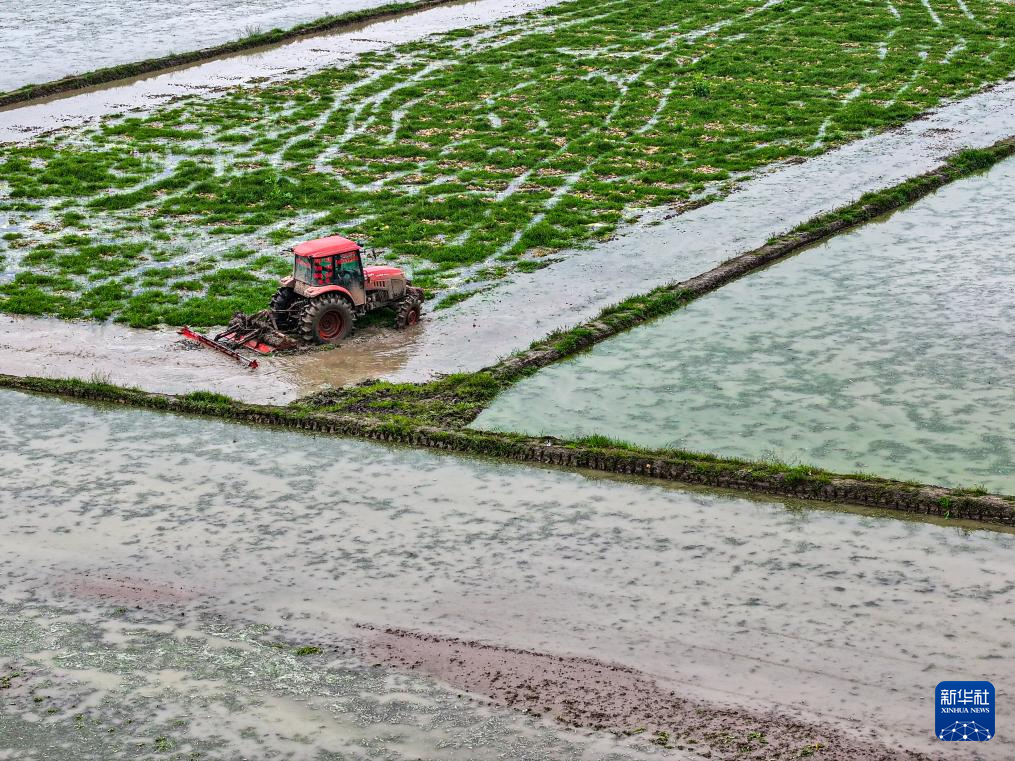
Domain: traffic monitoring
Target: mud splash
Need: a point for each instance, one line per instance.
(281, 62)
(883, 350)
(832, 618)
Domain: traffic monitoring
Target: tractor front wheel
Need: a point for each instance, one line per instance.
(408, 313)
(327, 320)
(284, 308)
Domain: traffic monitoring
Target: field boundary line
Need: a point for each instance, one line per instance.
(797, 482)
(661, 301)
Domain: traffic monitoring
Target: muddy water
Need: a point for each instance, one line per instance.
(152, 560)
(284, 61)
(158, 361)
(49, 39)
(888, 350)
(162, 361)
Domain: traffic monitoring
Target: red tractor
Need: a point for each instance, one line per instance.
(319, 302)
(330, 288)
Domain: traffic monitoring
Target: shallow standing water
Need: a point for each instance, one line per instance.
(49, 39)
(158, 573)
(888, 350)
(277, 62)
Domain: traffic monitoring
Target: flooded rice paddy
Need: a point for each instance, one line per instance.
(285, 61)
(887, 350)
(50, 39)
(477, 332)
(161, 575)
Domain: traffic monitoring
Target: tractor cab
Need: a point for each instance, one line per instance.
(330, 288)
(321, 265)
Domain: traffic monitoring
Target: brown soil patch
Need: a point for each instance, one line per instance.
(126, 590)
(583, 692)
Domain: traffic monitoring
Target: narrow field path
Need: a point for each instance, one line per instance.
(51, 39)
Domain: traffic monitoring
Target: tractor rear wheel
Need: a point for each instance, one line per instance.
(408, 313)
(282, 308)
(327, 320)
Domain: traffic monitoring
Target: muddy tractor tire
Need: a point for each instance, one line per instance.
(327, 320)
(284, 308)
(408, 313)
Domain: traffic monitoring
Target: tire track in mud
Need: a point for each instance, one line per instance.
(588, 693)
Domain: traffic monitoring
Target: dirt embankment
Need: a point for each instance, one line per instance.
(583, 692)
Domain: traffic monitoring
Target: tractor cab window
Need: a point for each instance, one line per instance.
(349, 271)
(324, 270)
(343, 269)
(315, 270)
(303, 270)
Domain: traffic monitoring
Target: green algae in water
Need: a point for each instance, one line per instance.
(887, 350)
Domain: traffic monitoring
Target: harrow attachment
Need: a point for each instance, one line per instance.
(257, 332)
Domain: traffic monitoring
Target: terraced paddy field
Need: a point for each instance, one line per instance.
(468, 157)
(192, 589)
(887, 350)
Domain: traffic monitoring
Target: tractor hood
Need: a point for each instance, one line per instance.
(382, 272)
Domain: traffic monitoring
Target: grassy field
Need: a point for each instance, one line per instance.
(469, 155)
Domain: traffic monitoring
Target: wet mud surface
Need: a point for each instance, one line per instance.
(164, 362)
(583, 692)
(159, 361)
(280, 62)
(126, 682)
(886, 350)
(167, 570)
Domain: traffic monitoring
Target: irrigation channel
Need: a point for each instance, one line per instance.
(50, 39)
(145, 611)
(885, 350)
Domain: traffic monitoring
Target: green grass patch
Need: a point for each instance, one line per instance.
(474, 150)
